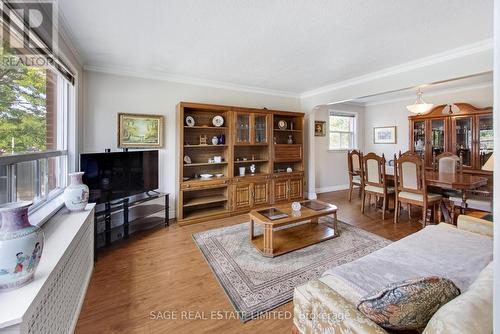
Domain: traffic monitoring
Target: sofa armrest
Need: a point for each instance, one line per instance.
(476, 225)
(319, 309)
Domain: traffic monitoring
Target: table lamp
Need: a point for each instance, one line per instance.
(488, 165)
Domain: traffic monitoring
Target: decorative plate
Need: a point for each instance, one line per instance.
(187, 159)
(206, 176)
(282, 124)
(190, 121)
(218, 121)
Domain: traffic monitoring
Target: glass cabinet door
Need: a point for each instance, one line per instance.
(437, 136)
(463, 139)
(419, 138)
(485, 128)
(260, 129)
(242, 128)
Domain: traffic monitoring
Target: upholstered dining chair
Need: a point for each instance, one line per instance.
(354, 159)
(447, 162)
(409, 180)
(375, 181)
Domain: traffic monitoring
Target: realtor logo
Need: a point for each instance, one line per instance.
(29, 26)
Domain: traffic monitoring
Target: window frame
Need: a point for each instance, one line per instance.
(64, 109)
(354, 143)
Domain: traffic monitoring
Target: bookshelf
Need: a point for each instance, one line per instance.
(233, 167)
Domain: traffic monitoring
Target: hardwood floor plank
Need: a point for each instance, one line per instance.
(162, 270)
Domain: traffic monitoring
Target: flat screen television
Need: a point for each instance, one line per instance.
(115, 175)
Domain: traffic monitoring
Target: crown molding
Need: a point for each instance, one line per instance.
(164, 76)
(481, 46)
(430, 94)
(350, 103)
(466, 50)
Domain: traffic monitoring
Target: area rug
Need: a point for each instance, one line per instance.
(255, 284)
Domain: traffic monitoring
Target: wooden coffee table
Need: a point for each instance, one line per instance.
(277, 242)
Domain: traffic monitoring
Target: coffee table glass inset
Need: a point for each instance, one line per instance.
(277, 242)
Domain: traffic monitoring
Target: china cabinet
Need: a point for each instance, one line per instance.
(254, 157)
(468, 133)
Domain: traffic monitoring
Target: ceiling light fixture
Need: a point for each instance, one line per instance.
(419, 107)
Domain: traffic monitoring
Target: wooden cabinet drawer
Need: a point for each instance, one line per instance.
(284, 153)
(196, 185)
(256, 178)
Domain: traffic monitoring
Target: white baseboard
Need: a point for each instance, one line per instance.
(332, 188)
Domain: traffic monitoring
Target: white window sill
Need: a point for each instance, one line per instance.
(45, 212)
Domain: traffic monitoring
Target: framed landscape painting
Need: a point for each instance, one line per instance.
(140, 131)
(384, 135)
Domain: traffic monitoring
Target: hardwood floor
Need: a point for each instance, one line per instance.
(162, 271)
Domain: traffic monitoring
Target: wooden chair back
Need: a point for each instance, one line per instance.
(400, 154)
(374, 170)
(447, 162)
(354, 159)
(409, 174)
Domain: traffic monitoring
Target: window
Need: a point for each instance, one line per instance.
(34, 107)
(342, 131)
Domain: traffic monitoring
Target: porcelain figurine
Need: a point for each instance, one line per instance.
(296, 206)
(252, 168)
(76, 195)
(21, 246)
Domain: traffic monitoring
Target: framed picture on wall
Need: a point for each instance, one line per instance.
(384, 135)
(140, 131)
(319, 128)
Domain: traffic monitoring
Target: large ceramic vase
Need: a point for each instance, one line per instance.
(21, 246)
(76, 195)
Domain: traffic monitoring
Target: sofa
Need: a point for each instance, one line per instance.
(462, 253)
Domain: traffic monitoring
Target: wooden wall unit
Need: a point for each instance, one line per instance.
(252, 136)
(468, 132)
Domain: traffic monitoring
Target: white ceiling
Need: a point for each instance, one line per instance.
(480, 80)
(286, 45)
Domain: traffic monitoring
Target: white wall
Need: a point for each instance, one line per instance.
(331, 166)
(105, 95)
(395, 113)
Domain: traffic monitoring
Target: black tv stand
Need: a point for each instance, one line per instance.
(124, 212)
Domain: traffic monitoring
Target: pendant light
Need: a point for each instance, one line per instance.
(419, 107)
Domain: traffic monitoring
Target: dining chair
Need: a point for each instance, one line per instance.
(375, 181)
(354, 158)
(410, 187)
(447, 162)
(404, 153)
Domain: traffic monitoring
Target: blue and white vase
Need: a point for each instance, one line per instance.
(76, 195)
(21, 246)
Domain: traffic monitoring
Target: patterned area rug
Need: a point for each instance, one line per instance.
(256, 284)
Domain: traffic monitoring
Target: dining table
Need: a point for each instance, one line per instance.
(455, 181)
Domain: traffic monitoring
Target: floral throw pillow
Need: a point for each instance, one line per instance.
(410, 304)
